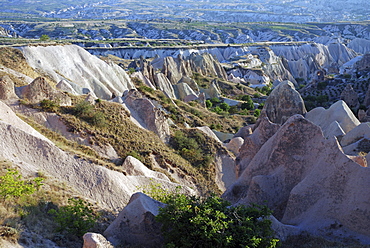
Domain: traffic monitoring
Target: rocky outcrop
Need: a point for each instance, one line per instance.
(207, 65)
(320, 191)
(135, 224)
(133, 167)
(263, 130)
(283, 102)
(65, 87)
(40, 90)
(7, 88)
(350, 97)
(234, 145)
(83, 71)
(96, 240)
(175, 68)
(147, 114)
(338, 117)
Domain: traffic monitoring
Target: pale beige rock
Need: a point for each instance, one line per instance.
(40, 90)
(338, 112)
(85, 72)
(66, 87)
(96, 240)
(207, 65)
(206, 130)
(357, 133)
(308, 182)
(135, 167)
(361, 115)
(176, 68)
(283, 102)
(183, 91)
(147, 114)
(163, 84)
(135, 224)
(234, 145)
(226, 173)
(263, 130)
(7, 88)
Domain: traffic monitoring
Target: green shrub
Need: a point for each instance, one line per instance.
(215, 100)
(97, 119)
(257, 113)
(49, 105)
(12, 185)
(209, 104)
(76, 218)
(83, 108)
(225, 107)
(188, 221)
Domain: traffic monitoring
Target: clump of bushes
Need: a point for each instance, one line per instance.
(76, 218)
(87, 112)
(189, 221)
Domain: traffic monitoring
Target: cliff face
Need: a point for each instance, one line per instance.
(84, 72)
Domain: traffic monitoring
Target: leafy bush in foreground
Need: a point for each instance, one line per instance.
(76, 218)
(189, 221)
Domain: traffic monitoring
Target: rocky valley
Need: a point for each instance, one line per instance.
(110, 118)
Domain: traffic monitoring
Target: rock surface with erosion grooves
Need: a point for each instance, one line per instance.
(307, 182)
(262, 131)
(176, 68)
(148, 115)
(207, 65)
(40, 90)
(283, 102)
(31, 152)
(338, 114)
(7, 91)
(135, 224)
(83, 71)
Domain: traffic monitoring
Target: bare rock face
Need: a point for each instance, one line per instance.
(39, 90)
(338, 114)
(234, 145)
(7, 88)
(83, 71)
(207, 65)
(135, 224)
(134, 167)
(176, 68)
(263, 130)
(308, 182)
(149, 116)
(66, 87)
(96, 240)
(350, 97)
(283, 102)
(163, 84)
(363, 64)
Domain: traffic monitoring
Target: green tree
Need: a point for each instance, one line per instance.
(213, 222)
(225, 107)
